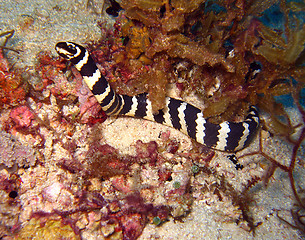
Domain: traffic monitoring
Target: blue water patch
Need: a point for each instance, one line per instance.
(302, 97)
(287, 100)
(210, 6)
(273, 17)
(296, 1)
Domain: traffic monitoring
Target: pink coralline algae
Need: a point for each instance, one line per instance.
(22, 116)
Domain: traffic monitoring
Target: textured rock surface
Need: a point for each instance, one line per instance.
(13, 153)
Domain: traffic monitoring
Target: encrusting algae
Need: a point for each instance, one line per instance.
(49, 229)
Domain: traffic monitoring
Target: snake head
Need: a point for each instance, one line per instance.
(69, 50)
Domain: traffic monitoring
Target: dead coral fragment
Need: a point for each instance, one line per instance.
(13, 153)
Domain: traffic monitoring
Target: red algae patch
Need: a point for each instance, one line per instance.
(13, 88)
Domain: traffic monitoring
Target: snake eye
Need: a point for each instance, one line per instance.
(66, 49)
(71, 47)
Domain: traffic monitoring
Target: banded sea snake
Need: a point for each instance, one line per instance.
(226, 136)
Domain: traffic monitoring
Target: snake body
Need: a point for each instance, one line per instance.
(226, 136)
